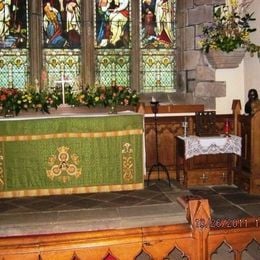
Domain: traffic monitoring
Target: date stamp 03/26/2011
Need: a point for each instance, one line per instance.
(227, 223)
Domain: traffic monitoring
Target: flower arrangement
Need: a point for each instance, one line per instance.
(9, 100)
(116, 95)
(13, 100)
(230, 29)
(108, 96)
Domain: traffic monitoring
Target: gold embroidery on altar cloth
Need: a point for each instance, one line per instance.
(63, 166)
(2, 182)
(128, 162)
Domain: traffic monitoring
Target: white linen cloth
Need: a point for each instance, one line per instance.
(195, 145)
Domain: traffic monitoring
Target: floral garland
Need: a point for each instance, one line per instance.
(13, 100)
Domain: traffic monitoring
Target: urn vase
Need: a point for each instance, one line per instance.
(225, 60)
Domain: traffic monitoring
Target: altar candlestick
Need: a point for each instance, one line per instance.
(185, 126)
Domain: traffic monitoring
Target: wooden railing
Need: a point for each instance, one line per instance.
(197, 239)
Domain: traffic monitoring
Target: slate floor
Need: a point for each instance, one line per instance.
(155, 205)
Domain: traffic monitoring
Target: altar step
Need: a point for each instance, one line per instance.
(155, 205)
(149, 224)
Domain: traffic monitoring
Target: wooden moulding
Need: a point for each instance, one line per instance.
(168, 108)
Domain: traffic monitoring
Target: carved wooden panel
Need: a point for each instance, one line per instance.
(248, 177)
(168, 128)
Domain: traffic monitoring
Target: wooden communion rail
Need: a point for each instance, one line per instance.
(199, 238)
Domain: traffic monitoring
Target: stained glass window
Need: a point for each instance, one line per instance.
(13, 24)
(113, 68)
(113, 35)
(112, 41)
(157, 25)
(61, 66)
(158, 71)
(114, 48)
(112, 26)
(61, 24)
(13, 68)
(61, 41)
(14, 43)
(157, 35)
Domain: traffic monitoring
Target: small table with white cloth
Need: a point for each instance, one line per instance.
(206, 160)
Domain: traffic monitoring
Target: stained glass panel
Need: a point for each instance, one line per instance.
(13, 24)
(113, 68)
(13, 43)
(112, 23)
(158, 70)
(13, 68)
(61, 23)
(157, 39)
(61, 66)
(112, 41)
(158, 23)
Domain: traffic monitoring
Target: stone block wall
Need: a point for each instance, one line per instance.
(196, 78)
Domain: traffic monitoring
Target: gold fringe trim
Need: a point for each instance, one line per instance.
(74, 190)
(70, 135)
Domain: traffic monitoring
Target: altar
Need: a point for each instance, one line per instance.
(71, 154)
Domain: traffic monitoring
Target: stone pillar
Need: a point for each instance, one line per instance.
(87, 46)
(35, 41)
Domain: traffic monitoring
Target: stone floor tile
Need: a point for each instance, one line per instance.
(127, 200)
(151, 210)
(228, 212)
(252, 209)
(5, 207)
(84, 203)
(217, 201)
(226, 189)
(105, 196)
(83, 215)
(28, 218)
(242, 198)
(202, 191)
(43, 205)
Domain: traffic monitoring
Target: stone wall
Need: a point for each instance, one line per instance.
(196, 79)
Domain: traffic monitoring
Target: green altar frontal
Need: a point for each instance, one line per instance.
(73, 154)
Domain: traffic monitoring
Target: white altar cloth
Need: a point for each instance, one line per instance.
(195, 145)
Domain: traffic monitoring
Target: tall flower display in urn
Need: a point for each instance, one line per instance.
(226, 40)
